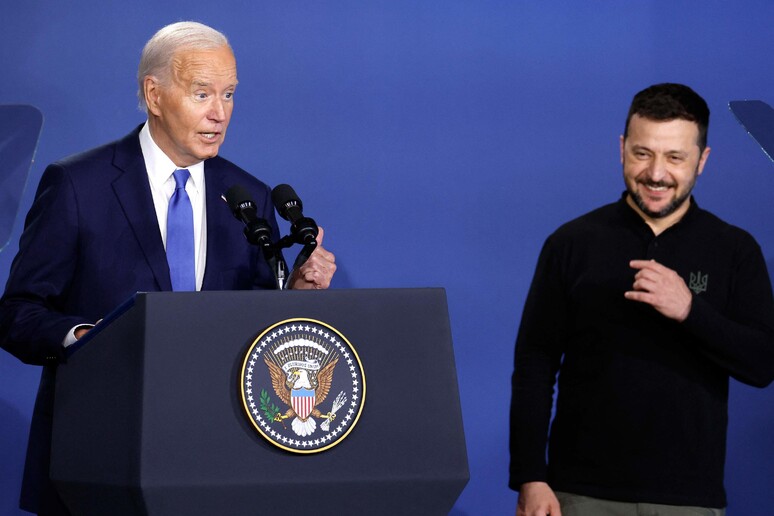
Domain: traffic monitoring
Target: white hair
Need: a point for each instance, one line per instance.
(157, 55)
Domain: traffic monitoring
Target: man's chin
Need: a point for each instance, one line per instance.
(657, 211)
(208, 153)
(654, 210)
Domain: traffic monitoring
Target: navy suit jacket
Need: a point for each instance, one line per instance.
(91, 240)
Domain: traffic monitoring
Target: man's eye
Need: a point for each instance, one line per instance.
(229, 95)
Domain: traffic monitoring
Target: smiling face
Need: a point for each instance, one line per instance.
(188, 117)
(661, 161)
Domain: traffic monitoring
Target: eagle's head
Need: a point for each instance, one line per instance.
(300, 379)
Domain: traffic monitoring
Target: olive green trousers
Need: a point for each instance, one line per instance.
(577, 505)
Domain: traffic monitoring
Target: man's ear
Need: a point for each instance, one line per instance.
(622, 141)
(703, 160)
(152, 91)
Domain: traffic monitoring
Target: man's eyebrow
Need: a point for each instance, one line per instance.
(203, 83)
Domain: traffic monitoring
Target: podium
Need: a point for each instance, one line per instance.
(149, 417)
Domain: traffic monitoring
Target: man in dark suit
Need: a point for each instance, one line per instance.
(97, 231)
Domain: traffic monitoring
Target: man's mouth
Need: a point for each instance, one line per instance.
(656, 186)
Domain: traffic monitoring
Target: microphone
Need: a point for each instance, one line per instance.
(290, 208)
(257, 230)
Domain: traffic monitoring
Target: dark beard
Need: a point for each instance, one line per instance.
(666, 211)
(669, 208)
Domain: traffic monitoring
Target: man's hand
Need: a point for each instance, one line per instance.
(537, 499)
(84, 329)
(660, 287)
(318, 270)
(80, 332)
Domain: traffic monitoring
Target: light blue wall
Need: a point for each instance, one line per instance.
(438, 142)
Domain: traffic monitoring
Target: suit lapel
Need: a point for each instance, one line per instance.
(134, 195)
(219, 222)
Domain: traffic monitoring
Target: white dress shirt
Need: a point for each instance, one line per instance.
(160, 169)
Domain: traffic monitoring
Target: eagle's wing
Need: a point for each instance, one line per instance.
(324, 381)
(278, 381)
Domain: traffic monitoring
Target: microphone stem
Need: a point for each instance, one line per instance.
(304, 254)
(280, 273)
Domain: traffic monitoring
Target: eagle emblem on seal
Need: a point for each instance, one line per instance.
(302, 385)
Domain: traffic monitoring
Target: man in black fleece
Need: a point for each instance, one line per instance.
(645, 307)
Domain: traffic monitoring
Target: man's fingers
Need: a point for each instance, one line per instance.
(320, 234)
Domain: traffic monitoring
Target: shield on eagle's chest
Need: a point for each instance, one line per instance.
(302, 401)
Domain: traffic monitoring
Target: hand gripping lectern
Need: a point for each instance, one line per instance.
(150, 418)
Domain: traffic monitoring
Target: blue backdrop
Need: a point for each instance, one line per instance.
(438, 143)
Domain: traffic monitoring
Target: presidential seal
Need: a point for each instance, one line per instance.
(302, 385)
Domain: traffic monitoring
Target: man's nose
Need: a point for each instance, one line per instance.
(657, 170)
(217, 110)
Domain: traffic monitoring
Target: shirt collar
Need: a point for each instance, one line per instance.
(158, 164)
(630, 212)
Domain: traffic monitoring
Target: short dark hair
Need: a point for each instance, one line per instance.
(669, 101)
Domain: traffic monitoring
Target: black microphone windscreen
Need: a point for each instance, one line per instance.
(283, 196)
(236, 196)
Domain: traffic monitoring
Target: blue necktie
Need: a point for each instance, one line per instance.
(180, 236)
